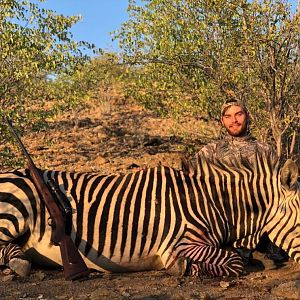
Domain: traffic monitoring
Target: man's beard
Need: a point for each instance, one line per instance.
(238, 133)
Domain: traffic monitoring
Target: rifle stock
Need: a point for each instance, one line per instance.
(73, 264)
(58, 227)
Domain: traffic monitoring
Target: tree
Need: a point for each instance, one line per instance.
(271, 53)
(35, 43)
(97, 79)
(36, 46)
(192, 55)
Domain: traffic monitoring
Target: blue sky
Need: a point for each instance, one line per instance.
(100, 17)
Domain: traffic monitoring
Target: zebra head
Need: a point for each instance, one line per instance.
(284, 226)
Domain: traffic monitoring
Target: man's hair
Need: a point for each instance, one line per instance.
(235, 102)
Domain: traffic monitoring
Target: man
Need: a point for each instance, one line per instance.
(236, 145)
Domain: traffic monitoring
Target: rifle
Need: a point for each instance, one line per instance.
(57, 205)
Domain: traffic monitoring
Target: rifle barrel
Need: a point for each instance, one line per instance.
(73, 263)
(10, 125)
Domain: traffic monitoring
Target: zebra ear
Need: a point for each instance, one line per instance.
(289, 174)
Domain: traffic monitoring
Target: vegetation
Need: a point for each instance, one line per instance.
(35, 45)
(96, 79)
(190, 56)
(179, 58)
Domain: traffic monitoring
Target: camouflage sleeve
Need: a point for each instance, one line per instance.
(268, 150)
(208, 151)
(189, 165)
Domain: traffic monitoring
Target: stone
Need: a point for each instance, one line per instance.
(8, 278)
(20, 266)
(224, 284)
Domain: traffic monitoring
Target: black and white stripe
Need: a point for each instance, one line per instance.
(160, 217)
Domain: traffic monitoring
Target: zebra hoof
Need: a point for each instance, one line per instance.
(178, 267)
(20, 266)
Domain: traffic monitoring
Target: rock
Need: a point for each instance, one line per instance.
(288, 290)
(24, 296)
(21, 266)
(224, 284)
(99, 160)
(125, 294)
(204, 296)
(100, 135)
(8, 278)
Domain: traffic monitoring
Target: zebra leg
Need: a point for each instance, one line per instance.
(12, 256)
(178, 267)
(208, 260)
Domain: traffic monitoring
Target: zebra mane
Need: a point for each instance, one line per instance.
(247, 163)
(193, 167)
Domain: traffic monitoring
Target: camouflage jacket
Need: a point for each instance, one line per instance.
(230, 149)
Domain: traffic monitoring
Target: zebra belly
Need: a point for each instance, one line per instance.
(45, 254)
(153, 262)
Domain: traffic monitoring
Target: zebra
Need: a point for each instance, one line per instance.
(156, 218)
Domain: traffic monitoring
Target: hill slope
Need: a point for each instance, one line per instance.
(122, 137)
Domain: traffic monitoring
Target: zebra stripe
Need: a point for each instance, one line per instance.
(159, 217)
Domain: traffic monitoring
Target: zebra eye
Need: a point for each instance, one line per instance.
(50, 222)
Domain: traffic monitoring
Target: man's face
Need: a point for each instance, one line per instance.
(235, 121)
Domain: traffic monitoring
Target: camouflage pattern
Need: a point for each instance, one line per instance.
(229, 103)
(231, 149)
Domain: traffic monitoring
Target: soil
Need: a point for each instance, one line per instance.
(119, 137)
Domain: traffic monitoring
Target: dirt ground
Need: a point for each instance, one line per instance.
(117, 137)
